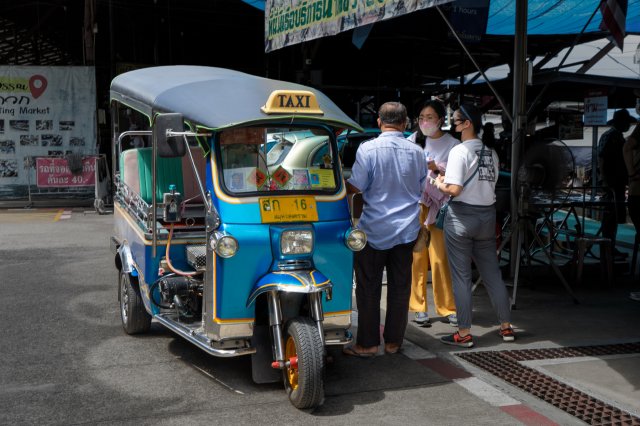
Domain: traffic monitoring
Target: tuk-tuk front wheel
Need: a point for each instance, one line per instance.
(303, 378)
(135, 318)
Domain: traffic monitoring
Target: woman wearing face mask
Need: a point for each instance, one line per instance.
(436, 145)
(469, 225)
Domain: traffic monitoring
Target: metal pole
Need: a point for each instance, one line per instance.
(112, 51)
(594, 160)
(29, 182)
(519, 116)
(154, 201)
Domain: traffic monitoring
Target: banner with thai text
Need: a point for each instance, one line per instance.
(469, 19)
(44, 112)
(56, 173)
(294, 21)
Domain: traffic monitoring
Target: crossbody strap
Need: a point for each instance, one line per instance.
(477, 168)
(474, 173)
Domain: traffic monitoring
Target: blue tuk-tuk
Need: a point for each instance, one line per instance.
(232, 226)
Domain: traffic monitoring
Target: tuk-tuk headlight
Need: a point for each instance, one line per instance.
(296, 242)
(356, 239)
(224, 245)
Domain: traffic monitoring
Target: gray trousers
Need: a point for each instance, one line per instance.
(470, 234)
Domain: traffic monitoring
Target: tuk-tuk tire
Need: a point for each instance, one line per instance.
(135, 318)
(302, 334)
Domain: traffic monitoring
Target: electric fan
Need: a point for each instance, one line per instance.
(547, 168)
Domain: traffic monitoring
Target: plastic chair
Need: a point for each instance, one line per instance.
(583, 246)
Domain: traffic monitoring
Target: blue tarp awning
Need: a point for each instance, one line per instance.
(549, 17)
(546, 17)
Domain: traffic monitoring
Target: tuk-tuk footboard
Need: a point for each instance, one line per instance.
(203, 342)
(337, 337)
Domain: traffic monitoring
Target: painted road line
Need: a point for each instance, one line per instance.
(29, 215)
(486, 392)
(66, 214)
(475, 386)
(527, 416)
(415, 352)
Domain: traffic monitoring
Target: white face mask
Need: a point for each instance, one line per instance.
(429, 129)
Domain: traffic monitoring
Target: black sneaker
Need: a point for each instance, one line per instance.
(456, 339)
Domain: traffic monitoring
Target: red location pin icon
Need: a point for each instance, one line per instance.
(37, 85)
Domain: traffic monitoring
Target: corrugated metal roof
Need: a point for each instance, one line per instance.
(20, 46)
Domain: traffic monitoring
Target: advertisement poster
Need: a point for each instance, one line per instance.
(570, 126)
(289, 22)
(44, 112)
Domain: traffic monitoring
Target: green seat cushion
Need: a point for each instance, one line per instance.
(169, 172)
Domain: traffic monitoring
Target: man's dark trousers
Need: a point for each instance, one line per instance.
(369, 266)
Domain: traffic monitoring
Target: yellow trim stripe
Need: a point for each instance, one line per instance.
(337, 313)
(215, 283)
(294, 275)
(57, 217)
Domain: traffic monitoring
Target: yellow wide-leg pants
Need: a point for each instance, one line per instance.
(434, 256)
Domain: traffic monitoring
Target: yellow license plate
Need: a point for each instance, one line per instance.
(288, 209)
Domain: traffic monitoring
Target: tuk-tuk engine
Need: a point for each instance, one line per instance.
(182, 293)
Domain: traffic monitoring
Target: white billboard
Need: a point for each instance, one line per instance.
(44, 111)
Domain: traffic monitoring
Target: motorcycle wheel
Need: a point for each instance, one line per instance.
(303, 378)
(135, 318)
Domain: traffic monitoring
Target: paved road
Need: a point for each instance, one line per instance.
(65, 359)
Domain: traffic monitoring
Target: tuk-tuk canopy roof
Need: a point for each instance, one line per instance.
(214, 97)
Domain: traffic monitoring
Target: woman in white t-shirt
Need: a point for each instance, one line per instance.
(436, 145)
(469, 226)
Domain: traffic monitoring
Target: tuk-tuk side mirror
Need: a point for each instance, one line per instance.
(169, 146)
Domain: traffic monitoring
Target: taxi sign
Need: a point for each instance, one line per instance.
(292, 101)
(288, 209)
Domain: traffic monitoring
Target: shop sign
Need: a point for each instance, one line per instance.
(56, 173)
(595, 109)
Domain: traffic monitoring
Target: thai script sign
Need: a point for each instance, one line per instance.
(55, 173)
(595, 109)
(294, 21)
(44, 112)
(469, 19)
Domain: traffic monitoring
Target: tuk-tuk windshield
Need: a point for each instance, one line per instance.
(261, 159)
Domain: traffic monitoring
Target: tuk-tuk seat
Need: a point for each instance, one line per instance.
(136, 172)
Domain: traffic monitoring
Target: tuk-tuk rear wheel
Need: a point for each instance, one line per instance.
(135, 318)
(303, 378)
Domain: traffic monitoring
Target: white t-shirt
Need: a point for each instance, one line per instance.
(463, 160)
(437, 149)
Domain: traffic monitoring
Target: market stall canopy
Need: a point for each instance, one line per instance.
(548, 17)
(545, 17)
(288, 22)
(402, 55)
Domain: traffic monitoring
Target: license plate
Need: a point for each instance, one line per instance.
(288, 209)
